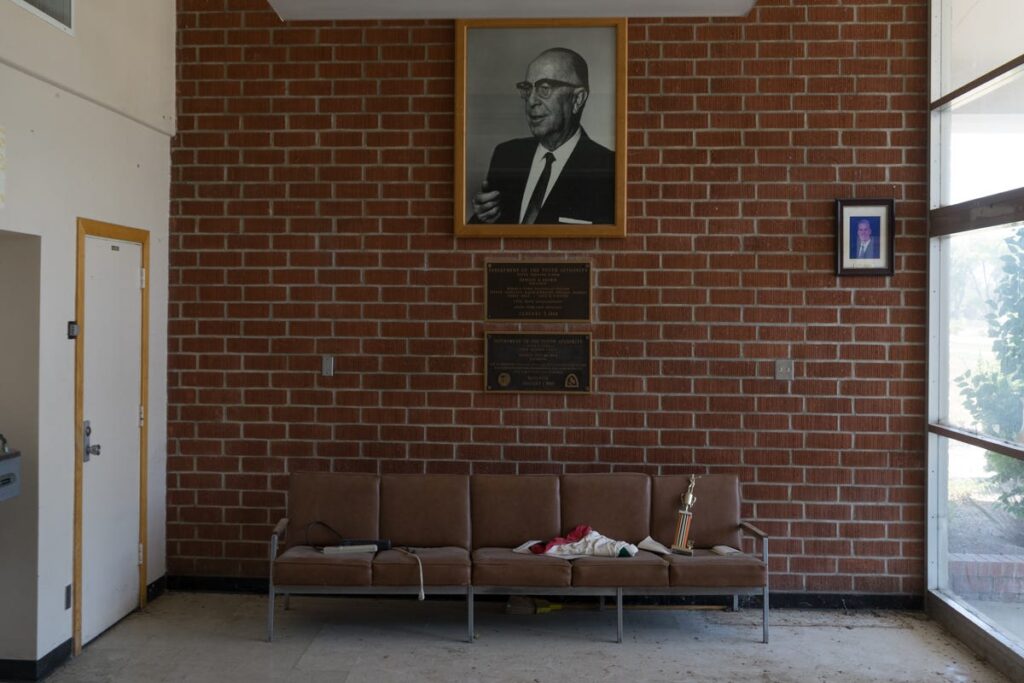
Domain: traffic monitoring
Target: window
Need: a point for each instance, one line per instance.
(976, 367)
(60, 13)
(984, 546)
(984, 309)
(977, 36)
(984, 142)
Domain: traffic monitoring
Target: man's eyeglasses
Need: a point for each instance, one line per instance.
(544, 87)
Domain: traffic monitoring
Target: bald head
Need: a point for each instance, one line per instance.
(572, 62)
(556, 118)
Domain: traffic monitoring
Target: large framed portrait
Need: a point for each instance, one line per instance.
(865, 236)
(540, 128)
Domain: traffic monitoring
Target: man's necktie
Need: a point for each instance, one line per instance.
(537, 198)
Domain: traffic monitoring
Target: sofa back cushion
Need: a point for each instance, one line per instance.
(617, 505)
(510, 509)
(425, 509)
(347, 503)
(716, 513)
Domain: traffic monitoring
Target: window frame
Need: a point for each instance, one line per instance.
(944, 220)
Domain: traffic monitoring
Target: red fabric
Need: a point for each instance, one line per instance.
(573, 536)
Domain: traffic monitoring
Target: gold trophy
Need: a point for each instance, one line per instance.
(683, 545)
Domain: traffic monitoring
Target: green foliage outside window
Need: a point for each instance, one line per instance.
(994, 392)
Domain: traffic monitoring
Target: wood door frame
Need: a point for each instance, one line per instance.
(91, 228)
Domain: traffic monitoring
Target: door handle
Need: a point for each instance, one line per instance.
(87, 448)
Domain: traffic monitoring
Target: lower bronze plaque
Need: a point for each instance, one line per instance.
(537, 362)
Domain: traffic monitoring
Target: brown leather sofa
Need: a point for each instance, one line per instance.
(461, 531)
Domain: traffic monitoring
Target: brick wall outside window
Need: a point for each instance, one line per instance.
(312, 214)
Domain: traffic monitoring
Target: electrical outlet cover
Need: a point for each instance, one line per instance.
(784, 369)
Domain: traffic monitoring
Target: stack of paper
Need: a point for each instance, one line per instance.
(724, 550)
(650, 545)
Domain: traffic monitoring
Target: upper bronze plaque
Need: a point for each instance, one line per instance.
(540, 292)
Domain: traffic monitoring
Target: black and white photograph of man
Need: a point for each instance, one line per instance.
(540, 128)
(559, 175)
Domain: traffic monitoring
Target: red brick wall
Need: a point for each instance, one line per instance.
(312, 214)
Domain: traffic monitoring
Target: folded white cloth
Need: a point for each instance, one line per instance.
(591, 545)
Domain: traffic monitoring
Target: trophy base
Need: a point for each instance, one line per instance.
(682, 551)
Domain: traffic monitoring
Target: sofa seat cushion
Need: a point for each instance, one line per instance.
(425, 510)
(507, 509)
(502, 567)
(325, 505)
(302, 565)
(716, 514)
(444, 566)
(615, 504)
(643, 569)
(705, 569)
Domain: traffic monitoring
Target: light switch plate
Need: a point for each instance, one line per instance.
(784, 369)
(327, 366)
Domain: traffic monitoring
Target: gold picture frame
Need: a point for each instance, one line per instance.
(500, 117)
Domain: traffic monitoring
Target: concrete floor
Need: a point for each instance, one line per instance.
(204, 637)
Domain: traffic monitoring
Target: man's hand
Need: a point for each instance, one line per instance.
(487, 205)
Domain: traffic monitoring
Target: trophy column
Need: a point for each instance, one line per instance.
(683, 545)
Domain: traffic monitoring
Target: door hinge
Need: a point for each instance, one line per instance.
(142, 415)
(142, 278)
(140, 554)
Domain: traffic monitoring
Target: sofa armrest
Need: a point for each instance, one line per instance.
(753, 530)
(281, 528)
(279, 533)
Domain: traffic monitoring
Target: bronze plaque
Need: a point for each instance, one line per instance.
(521, 361)
(538, 291)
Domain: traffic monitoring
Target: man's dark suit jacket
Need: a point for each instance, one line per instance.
(872, 249)
(584, 191)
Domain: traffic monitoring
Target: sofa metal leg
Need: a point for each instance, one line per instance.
(270, 615)
(764, 615)
(618, 612)
(600, 603)
(270, 588)
(469, 613)
(735, 603)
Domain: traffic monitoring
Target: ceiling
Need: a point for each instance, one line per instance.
(505, 9)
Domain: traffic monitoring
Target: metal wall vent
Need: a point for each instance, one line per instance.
(60, 13)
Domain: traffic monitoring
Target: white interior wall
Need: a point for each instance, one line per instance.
(19, 422)
(68, 158)
(103, 153)
(121, 54)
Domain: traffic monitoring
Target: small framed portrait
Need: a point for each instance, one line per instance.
(540, 128)
(865, 236)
